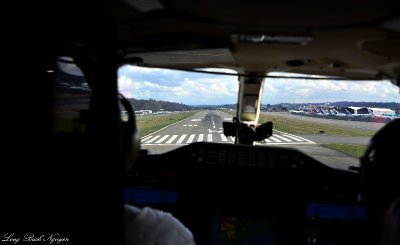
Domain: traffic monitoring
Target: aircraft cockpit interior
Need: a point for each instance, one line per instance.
(250, 122)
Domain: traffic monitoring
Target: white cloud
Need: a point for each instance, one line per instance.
(138, 69)
(199, 88)
(303, 90)
(125, 86)
(223, 70)
(188, 90)
(211, 87)
(269, 88)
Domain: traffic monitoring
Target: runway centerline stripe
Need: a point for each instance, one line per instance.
(172, 139)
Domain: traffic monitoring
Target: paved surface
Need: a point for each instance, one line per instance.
(207, 126)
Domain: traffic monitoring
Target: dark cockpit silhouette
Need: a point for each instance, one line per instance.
(146, 225)
(380, 176)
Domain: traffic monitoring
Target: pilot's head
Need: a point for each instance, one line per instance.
(380, 166)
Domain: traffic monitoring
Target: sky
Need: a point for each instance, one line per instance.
(193, 88)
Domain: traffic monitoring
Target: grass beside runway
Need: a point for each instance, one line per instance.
(293, 126)
(353, 150)
(151, 123)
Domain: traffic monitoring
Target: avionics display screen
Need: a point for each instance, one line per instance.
(332, 223)
(323, 223)
(333, 211)
(243, 230)
(152, 197)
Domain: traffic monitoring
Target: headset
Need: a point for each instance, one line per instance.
(130, 135)
(380, 166)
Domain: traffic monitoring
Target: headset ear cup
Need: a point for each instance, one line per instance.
(363, 172)
(134, 150)
(367, 174)
(130, 136)
(131, 147)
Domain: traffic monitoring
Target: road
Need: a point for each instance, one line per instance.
(207, 126)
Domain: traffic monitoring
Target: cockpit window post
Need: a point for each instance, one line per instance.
(249, 104)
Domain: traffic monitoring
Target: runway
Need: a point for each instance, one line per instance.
(206, 126)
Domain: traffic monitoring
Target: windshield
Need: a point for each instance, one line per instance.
(327, 119)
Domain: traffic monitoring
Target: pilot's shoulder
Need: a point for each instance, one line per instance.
(151, 226)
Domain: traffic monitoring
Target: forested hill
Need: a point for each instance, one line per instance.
(158, 105)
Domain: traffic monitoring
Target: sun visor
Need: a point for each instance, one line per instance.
(201, 57)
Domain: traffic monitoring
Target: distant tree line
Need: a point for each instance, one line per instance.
(158, 105)
(213, 107)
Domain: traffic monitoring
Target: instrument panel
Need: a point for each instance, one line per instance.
(283, 194)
